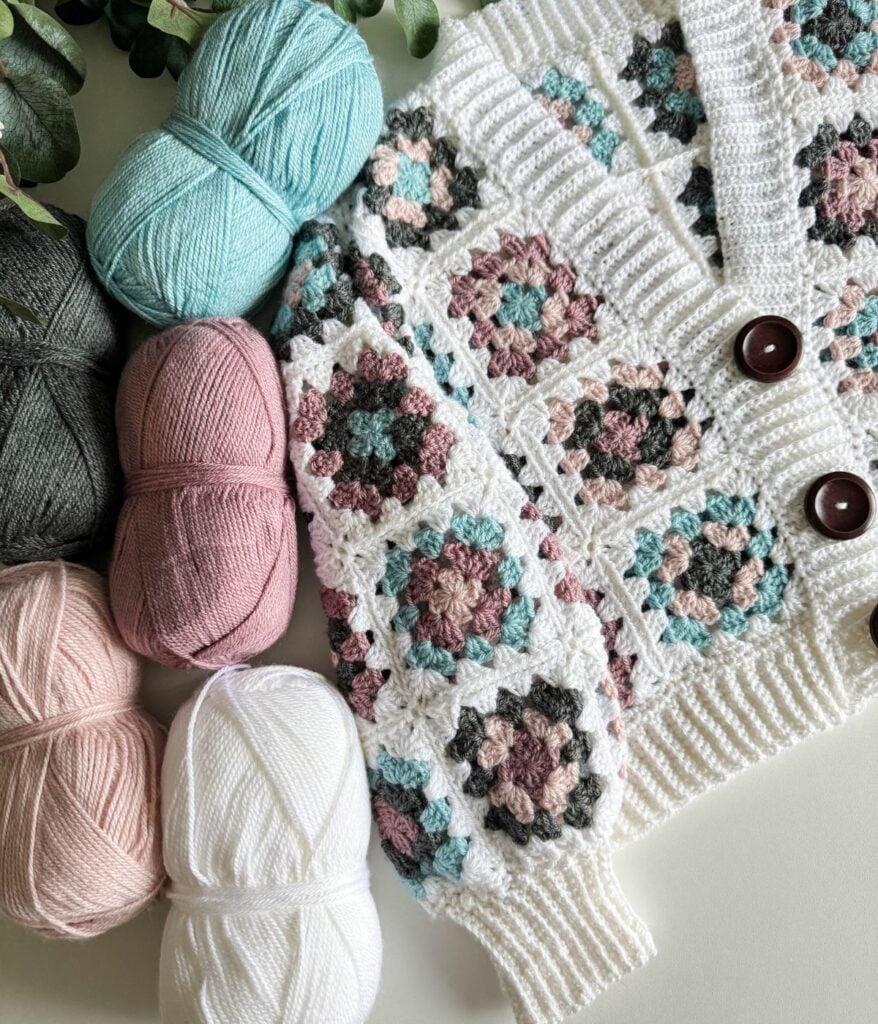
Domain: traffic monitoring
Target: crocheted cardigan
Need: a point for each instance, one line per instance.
(568, 226)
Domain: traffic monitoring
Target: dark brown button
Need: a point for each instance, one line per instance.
(840, 505)
(768, 348)
(873, 625)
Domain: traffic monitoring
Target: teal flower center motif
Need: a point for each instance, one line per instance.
(412, 180)
(711, 570)
(521, 305)
(370, 434)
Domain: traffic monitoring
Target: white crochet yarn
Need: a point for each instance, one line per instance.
(266, 819)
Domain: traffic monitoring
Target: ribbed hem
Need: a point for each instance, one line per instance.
(558, 937)
(706, 732)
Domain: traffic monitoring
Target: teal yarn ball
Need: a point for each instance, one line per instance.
(274, 116)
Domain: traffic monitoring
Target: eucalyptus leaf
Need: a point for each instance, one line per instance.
(35, 212)
(149, 53)
(367, 8)
(41, 45)
(22, 311)
(75, 12)
(7, 23)
(344, 10)
(80, 11)
(420, 22)
(126, 18)
(179, 55)
(177, 18)
(40, 127)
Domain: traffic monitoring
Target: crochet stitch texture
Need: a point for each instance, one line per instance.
(578, 310)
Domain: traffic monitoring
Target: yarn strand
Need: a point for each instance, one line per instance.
(57, 725)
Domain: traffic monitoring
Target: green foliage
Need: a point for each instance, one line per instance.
(39, 45)
(420, 22)
(150, 50)
(419, 19)
(161, 34)
(21, 311)
(177, 18)
(41, 67)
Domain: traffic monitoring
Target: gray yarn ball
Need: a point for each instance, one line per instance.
(60, 482)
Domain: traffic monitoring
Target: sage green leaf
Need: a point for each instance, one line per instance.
(179, 54)
(41, 45)
(40, 126)
(7, 24)
(420, 22)
(35, 212)
(77, 12)
(22, 311)
(177, 18)
(126, 19)
(345, 11)
(149, 53)
(367, 8)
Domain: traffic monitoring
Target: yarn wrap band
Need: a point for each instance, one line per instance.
(185, 474)
(57, 725)
(42, 354)
(315, 893)
(207, 144)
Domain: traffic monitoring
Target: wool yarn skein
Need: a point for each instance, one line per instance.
(204, 566)
(266, 817)
(80, 850)
(274, 116)
(60, 484)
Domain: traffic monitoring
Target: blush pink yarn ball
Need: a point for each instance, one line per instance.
(80, 845)
(204, 566)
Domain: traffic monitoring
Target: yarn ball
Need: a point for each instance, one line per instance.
(60, 484)
(79, 761)
(266, 818)
(204, 566)
(274, 116)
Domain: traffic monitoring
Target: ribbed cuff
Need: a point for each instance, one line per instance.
(558, 936)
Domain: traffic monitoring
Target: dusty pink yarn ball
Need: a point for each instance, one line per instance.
(204, 566)
(80, 847)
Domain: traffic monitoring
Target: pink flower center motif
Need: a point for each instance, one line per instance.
(529, 764)
(528, 761)
(622, 434)
(455, 597)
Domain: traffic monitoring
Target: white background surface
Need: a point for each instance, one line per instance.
(762, 896)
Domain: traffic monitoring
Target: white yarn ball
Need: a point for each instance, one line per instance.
(266, 827)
